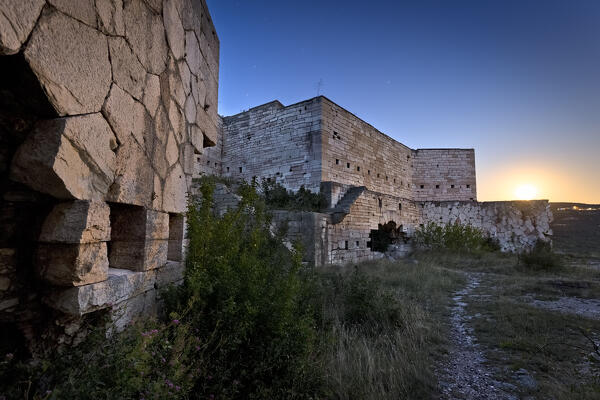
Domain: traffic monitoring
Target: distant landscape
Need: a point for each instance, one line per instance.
(576, 228)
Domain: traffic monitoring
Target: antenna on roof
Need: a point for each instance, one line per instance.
(320, 84)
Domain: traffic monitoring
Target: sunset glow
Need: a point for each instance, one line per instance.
(525, 192)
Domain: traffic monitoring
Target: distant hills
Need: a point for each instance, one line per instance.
(576, 228)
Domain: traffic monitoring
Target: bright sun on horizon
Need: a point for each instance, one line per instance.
(526, 192)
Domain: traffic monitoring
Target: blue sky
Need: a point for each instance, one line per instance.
(519, 81)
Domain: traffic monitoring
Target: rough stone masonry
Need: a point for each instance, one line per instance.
(104, 107)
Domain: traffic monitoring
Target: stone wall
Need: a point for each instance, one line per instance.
(444, 174)
(516, 225)
(105, 106)
(275, 142)
(355, 153)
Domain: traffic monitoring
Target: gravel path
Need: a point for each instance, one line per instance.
(589, 308)
(464, 374)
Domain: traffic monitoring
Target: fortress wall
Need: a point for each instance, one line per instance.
(104, 108)
(350, 144)
(366, 215)
(444, 174)
(517, 225)
(275, 142)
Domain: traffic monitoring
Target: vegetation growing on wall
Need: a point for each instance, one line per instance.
(455, 237)
(278, 197)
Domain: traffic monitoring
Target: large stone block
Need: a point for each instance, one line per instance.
(205, 122)
(81, 10)
(110, 16)
(141, 255)
(175, 191)
(72, 264)
(120, 286)
(197, 139)
(71, 62)
(77, 222)
(126, 115)
(128, 72)
(151, 97)
(146, 34)
(68, 158)
(17, 19)
(174, 28)
(133, 176)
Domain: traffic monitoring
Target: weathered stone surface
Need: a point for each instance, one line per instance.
(71, 62)
(176, 237)
(110, 16)
(159, 160)
(162, 125)
(72, 264)
(81, 10)
(192, 52)
(172, 154)
(171, 273)
(138, 256)
(77, 222)
(130, 223)
(177, 120)
(152, 94)
(174, 28)
(189, 159)
(128, 73)
(133, 176)
(176, 86)
(8, 260)
(146, 34)
(120, 286)
(198, 91)
(68, 158)
(126, 116)
(157, 194)
(197, 139)
(190, 109)
(207, 125)
(17, 19)
(186, 76)
(175, 191)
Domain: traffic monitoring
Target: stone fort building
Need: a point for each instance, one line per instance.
(108, 109)
(368, 178)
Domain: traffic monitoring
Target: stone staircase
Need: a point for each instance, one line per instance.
(342, 208)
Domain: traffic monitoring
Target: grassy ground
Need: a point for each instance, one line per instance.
(553, 350)
(368, 359)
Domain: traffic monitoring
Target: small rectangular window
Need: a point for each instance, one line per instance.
(380, 203)
(451, 186)
(399, 206)
(368, 172)
(468, 186)
(227, 169)
(437, 186)
(378, 175)
(346, 245)
(357, 243)
(240, 170)
(347, 165)
(422, 186)
(337, 161)
(386, 178)
(358, 168)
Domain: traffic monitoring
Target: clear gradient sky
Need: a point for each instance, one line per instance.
(518, 80)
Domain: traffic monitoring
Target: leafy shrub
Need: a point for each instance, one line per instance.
(540, 257)
(278, 197)
(455, 236)
(237, 328)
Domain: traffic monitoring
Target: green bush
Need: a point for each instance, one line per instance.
(455, 237)
(278, 197)
(237, 328)
(540, 257)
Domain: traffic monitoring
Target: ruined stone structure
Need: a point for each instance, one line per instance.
(368, 178)
(105, 106)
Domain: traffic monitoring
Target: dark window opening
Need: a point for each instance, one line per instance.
(422, 186)
(241, 170)
(386, 178)
(471, 198)
(394, 180)
(385, 235)
(208, 162)
(451, 186)
(357, 243)
(399, 206)
(378, 175)
(176, 236)
(380, 203)
(358, 168)
(337, 161)
(437, 186)
(216, 164)
(468, 186)
(347, 165)
(346, 245)
(368, 172)
(227, 169)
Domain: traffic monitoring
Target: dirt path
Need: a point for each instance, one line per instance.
(464, 374)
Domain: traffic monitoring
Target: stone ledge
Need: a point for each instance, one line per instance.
(120, 286)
